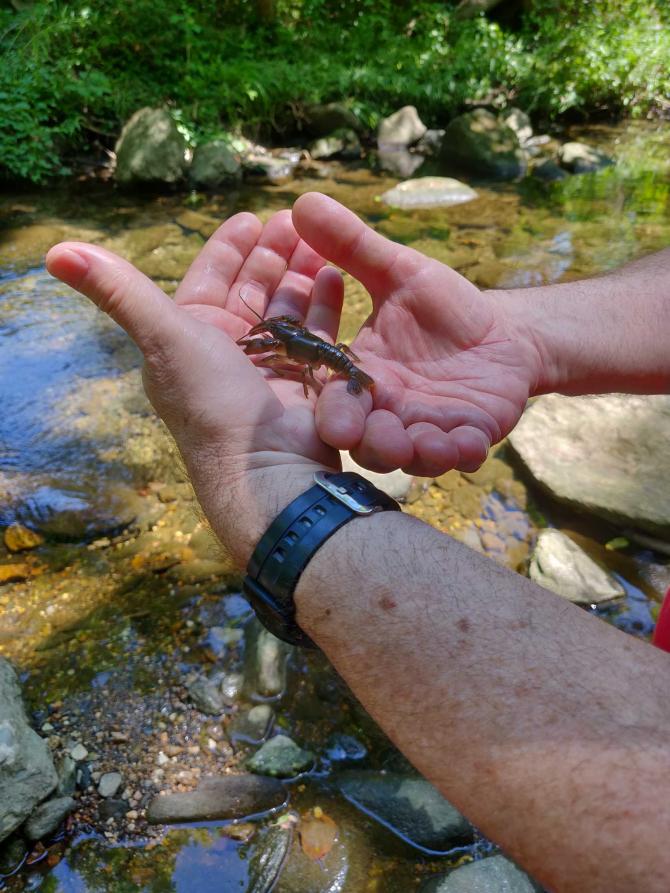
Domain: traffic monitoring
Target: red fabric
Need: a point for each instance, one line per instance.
(661, 637)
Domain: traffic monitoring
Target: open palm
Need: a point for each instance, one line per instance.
(452, 375)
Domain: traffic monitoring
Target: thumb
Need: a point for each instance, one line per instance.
(337, 234)
(120, 290)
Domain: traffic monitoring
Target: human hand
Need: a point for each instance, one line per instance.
(452, 369)
(248, 438)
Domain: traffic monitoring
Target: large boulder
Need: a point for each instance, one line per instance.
(560, 565)
(519, 122)
(606, 455)
(578, 158)
(493, 875)
(483, 144)
(402, 128)
(428, 192)
(150, 149)
(215, 164)
(27, 773)
(322, 119)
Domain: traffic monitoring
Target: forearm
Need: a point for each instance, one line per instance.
(549, 729)
(606, 334)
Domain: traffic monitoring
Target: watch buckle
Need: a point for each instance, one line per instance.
(342, 494)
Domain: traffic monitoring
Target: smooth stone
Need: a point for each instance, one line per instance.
(19, 538)
(268, 168)
(252, 727)
(78, 752)
(281, 757)
(215, 164)
(403, 127)
(225, 797)
(429, 192)
(267, 858)
(343, 867)
(398, 160)
(483, 144)
(395, 483)
(559, 564)
(150, 149)
(322, 119)
(109, 784)
(607, 455)
(47, 817)
(268, 656)
(14, 573)
(27, 773)
(342, 748)
(341, 142)
(519, 122)
(579, 158)
(67, 776)
(493, 875)
(73, 516)
(212, 695)
(408, 806)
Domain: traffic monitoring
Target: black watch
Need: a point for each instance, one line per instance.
(294, 536)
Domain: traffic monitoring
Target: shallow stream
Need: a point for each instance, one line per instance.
(128, 598)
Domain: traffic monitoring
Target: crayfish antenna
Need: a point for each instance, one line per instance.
(243, 288)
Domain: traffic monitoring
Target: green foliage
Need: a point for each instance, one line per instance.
(74, 71)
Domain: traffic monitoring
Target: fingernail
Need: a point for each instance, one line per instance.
(69, 267)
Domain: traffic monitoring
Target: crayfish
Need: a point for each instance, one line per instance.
(291, 344)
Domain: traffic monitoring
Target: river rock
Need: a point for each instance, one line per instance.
(252, 727)
(429, 192)
(109, 784)
(267, 859)
(341, 748)
(481, 143)
(519, 122)
(212, 695)
(493, 875)
(67, 776)
(560, 565)
(266, 658)
(281, 757)
(267, 168)
(12, 853)
(395, 483)
(578, 158)
(224, 797)
(430, 143)
(19, 538)
(548, 171)
(402, 128)
(322, 119)
(27, 773)
(607, 455)
(73, 516)
(14, 573)
(408, 806)
(150, 149)
(47, 817)
(214, 164)
(343, 142)
(398, 160)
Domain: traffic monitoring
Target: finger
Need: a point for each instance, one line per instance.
(214, 270)
(325, 308)
(128, 296)
(292, 296)
(340, 416)
(434, 451)
(473, 446)
(385, 445)
(265, 266)
(340, 236)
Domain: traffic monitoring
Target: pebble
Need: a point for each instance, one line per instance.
(47, 817)
(109, 784)
(78, 752)
(281, 757)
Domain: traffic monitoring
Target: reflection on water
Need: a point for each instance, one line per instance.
(125, 619)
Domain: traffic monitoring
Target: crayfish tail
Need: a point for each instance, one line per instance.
(359, 380)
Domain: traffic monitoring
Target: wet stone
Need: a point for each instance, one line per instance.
(225, 797)
(47, 817)
(14, 573)
(268, 858)
(266, 661)
(112, 809)
(281, 757)
(409, 806)
(484, 876)
(579, 158)
(78, 752)
(252, 727)
(344, 748)
(403, 127)
(73, 516)
(109, 784)
(19, 538)
(429, 192)
(212, 695)
(12, 853)
(559, 564)
(67, 776)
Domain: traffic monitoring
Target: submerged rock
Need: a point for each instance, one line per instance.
(109, 784)
(429, 192)
(150, 149)
(607, 455)
(215, 164)
(268, 858)
(225, 797)
(252, 727)
(266, 661)
(481, 143)
(341, 142)
(322, 119)
(493, 875)
(402, 128)
(47, 817)
(578, 158)
(27, 773)
(281, 757)
(560, 565)
(19, 538)
(548, 171)
(212, 695)
(342, 748)
(398, 160)
(408, 806)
